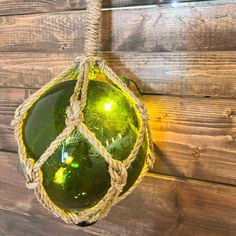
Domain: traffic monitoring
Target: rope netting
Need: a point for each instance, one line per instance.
(74, 120)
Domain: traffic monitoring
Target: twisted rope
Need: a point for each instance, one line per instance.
(74, 119)
(94, 9)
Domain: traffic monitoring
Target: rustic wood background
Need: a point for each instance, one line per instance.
(183, 57)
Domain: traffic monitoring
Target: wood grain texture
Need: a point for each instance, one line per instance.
(192, 117)
(154, 29)
(194, 137)
(169, 73)
(9, 7)
(159, 206)
(15, 224)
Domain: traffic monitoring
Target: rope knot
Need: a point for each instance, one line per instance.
(33, 184)
(118, 174)
(31, 175)
(73, 115)
(80, 61)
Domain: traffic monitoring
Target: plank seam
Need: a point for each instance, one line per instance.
(157, 4)
(184, 179)
(161, 175)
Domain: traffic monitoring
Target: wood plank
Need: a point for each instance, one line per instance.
(17, 225)
(195, 137)
(9, 7)
(22, 7)
(159, 206)
(154, 29)
(172, 73)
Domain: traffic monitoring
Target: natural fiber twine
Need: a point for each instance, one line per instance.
(74, 119)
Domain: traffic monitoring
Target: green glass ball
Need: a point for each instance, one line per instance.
(76, 177)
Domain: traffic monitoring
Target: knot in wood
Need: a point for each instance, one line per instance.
(234, 136)
(196, 152)
(230, 114)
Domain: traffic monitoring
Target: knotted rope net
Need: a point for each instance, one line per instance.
(74, 119)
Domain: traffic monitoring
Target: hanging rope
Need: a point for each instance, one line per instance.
(74, 119)
(94, 10)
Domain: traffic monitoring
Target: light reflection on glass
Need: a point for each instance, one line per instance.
(74, 165)
(60, 176)
(83, 194)
(69, 160)
(108, 106)
(73, 139)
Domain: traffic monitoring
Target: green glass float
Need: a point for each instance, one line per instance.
(84, 140)
(76, 177)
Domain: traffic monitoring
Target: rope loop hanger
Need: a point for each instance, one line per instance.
(74, 120)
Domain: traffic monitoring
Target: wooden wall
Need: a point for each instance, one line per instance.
(184, 58)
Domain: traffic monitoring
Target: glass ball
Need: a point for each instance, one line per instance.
(76, 177)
